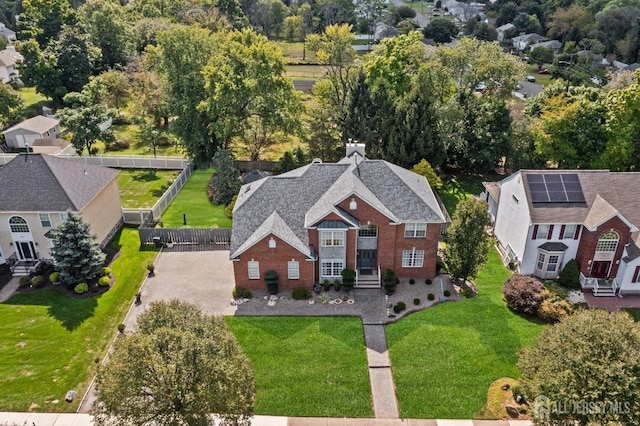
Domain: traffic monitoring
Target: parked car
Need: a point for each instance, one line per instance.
(531, 79)
(544, 71)
(481, 87)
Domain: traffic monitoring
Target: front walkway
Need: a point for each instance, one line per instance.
(205, 279)
(58, 419)
(9, 288)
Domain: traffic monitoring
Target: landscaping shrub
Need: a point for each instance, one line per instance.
(37, 281)
(25, 281)
(428, 281)
(326, 285)
(247, 294)
(348, 278)
(271, 280)
(416, 301)
(553, 310)
(237, 292)
(570, 275)
(106, 271)
(399, 307)
(104, 281)
(431, 296)
(54, 277)
(228, 211)
(81, 288)
(300, 293)
(44, 268)
(524, 294)
(337, 284)
(121, 328)
(447, 293)
(412, 281)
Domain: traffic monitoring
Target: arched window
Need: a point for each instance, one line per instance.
(18, 224)
(608, 241)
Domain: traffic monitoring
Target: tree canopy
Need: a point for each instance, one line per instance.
(584, 370)
(180, 367)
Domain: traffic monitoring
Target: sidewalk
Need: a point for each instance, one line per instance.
(64, 419)
(10, 288)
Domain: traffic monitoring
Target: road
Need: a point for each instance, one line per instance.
(530, 89)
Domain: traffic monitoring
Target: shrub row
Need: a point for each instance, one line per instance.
(528, 295)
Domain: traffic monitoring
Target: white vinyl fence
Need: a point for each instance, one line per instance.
(120, 161)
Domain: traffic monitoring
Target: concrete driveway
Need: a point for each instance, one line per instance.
(203, 278)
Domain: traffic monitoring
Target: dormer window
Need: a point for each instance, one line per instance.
(353, 205)
(272, 243)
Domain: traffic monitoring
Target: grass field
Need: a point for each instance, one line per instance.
(32, 101)
(192, 200)
(49, 341)
(456, 188)
(143, 188)
(130, 133)
(306, 366)
(444, 358)
(542, 79)
(294, 52)
(305, 71)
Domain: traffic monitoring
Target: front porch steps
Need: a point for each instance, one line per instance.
(20, 271)
(367, 284)
(604, 291)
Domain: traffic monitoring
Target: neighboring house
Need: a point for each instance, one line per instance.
(38, 191)
(254, 175)
(633, 67)
(8, 60)
(10, 35)
(503, 29)
(555, 45)
(523, 41)
(383, 31)
(26, 132)
(545, 218)
(312, 222)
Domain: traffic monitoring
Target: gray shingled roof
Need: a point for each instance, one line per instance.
(39, 182)
(38, 124)
(305, 195)
(606, 194)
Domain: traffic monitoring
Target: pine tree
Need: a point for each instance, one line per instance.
(77, 256)
(225, 183)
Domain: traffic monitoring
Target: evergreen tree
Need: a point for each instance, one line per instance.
(77, 256)
(225, 183)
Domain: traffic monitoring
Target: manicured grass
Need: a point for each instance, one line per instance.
(142, 188)
(49, 341)
(307, 71)
(456, 188)
(293, 52)
(634, 312)
(306, 366)
(542, 79)
(192, 200)
(131, 133)
(444, 358)
(32, 101)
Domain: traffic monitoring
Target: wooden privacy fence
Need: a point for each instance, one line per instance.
(218, 238)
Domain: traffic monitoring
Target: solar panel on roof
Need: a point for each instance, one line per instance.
(555, 188)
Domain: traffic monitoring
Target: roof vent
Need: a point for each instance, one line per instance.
(316, 161)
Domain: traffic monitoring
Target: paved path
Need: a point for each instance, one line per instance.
(57, 419)
(9, 288)
(383, 390)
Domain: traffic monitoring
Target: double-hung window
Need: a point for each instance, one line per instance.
(332, 238)
(412, 258)
(415, 230)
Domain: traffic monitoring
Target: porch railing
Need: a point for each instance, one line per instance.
(379, 275)
(588, 282)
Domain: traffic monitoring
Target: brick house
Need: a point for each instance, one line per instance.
(543, 219)
(312, 222)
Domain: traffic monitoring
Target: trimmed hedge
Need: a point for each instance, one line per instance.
(104, 281)
(524, 293)
(300, 293)
(81, 288)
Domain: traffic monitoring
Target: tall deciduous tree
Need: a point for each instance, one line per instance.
(77, 255)
(585, 370)
(43, 20)
(441, 30)
(179, 368)
(247, 93)
(181, 57)
(467, 240)
(110, 30)
(423, 168)
(11, 105)
(225, 182)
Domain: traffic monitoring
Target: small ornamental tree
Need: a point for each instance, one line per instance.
(524, 293)
(584, 370)
(77, 256)
(467, 246)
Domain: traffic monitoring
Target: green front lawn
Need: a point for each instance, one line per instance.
(192, 200)
(444, 358)
(49, 341)
(140, 188)
(32, 101)
(307, 366)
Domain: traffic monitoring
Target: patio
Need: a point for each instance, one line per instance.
(612, 303)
